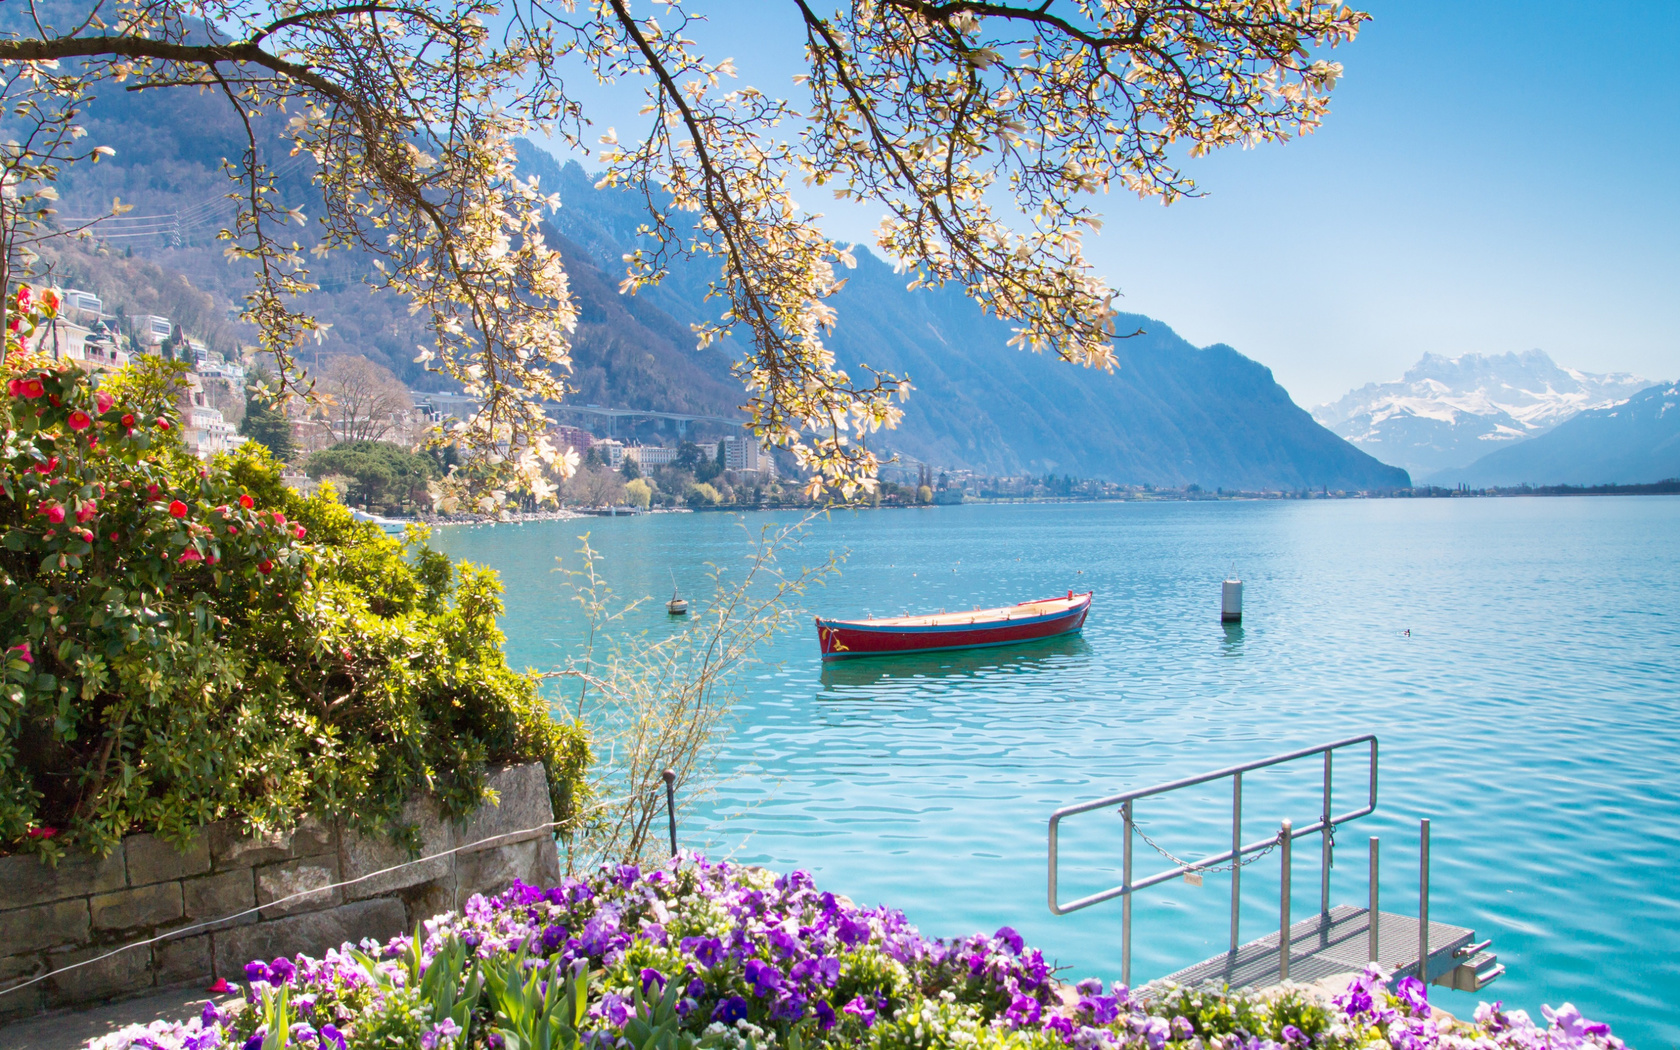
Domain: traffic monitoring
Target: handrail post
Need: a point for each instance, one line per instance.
(1285, 838)
(1126, 901)
(1423, 902)
(670, 778)
(1236, 859)
(1326, 844)
(1371, 916)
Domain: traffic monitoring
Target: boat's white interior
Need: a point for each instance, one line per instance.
(1002, 614)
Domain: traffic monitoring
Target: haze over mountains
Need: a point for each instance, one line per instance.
(1446, 413)
(1173, 415)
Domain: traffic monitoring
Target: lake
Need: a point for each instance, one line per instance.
(1516, 657)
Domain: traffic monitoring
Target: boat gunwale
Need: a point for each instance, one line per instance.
(896, 624)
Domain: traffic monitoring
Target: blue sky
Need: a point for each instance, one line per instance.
(1493, 177)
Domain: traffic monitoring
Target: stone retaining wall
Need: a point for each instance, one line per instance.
(52, 917)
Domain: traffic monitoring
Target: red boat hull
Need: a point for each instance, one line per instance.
(847, 638)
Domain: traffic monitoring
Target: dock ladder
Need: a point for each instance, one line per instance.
(1335, 940)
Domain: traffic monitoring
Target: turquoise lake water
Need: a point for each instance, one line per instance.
(1533, 713)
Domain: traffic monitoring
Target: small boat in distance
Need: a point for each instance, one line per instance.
(678, 605)
(974, 629)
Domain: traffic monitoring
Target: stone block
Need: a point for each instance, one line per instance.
(230, 849)
(178, 962)
(137, 909)
(361, 855)
(28, 881)
(276, 882)
(119, 974)
(31, 1000)
(522, 804)
(429, 899)
(24, 930)
(152, 859)
(310, 934)
(218, 896)
(492, 870)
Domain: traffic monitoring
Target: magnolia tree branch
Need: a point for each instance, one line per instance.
(982, 131)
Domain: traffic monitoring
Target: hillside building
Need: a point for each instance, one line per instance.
(745, 455)
(611, 452)
(648, 456)
(575, 438)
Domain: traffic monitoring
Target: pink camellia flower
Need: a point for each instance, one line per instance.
(23, 297)
(54, 513)
(222, 510)
(114, 537)
(191, 555)
(162, 423)
(23, 653)
(265, 566)
(103, 402)
(246, 501)
(14, 387)
(233, 530)
(86, 511)
(48, 467)
(177, 509)
(93, 440)
(211, 559)
(42, 833)
(300, 531)
(33, 388)
(151, 491)
(221, 987)
(128, 420)
(279, 518)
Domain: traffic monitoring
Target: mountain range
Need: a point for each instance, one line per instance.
(1446, 413)
(1173, 414)
(1634, 442)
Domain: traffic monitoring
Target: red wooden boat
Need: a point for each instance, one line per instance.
(973, 629)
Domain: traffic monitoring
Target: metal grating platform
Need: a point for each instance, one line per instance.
(1322, 947)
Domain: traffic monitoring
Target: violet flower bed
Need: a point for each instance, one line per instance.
(704, 955)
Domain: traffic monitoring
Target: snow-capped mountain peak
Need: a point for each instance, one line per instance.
(1447, 412)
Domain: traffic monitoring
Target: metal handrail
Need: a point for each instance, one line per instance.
(1325, 826)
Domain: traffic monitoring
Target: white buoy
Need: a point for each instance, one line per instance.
(1230, 605)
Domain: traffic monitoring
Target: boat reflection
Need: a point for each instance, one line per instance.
(861, 672)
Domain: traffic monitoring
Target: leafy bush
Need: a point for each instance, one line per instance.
(380, 473)
(696, 955)
(189, 642)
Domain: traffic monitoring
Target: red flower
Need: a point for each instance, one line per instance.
(86, 511)
(48, 467)
(191, 555)
(265, 566)
(177, 509)
(279, 518)
(42, 833)
(53, 400)
(23, 653)
(103, 401)
(23, 297)
(33, 388)
(14, 387)
(221, 987)
(246, 501)
(211, 559)
(233, 530)
(113, 537)
(54, 513)
(162, 423)
(80, 420)
(300, 531)
(128, 420)
(151, 491)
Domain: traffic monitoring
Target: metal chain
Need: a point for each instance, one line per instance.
(1227, 866)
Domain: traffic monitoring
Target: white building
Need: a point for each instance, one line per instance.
(86, 304)
(646, 456)
(151, 329)
(610, 450)
(744, 454)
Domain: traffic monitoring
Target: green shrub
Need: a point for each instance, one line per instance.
(189, 642)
